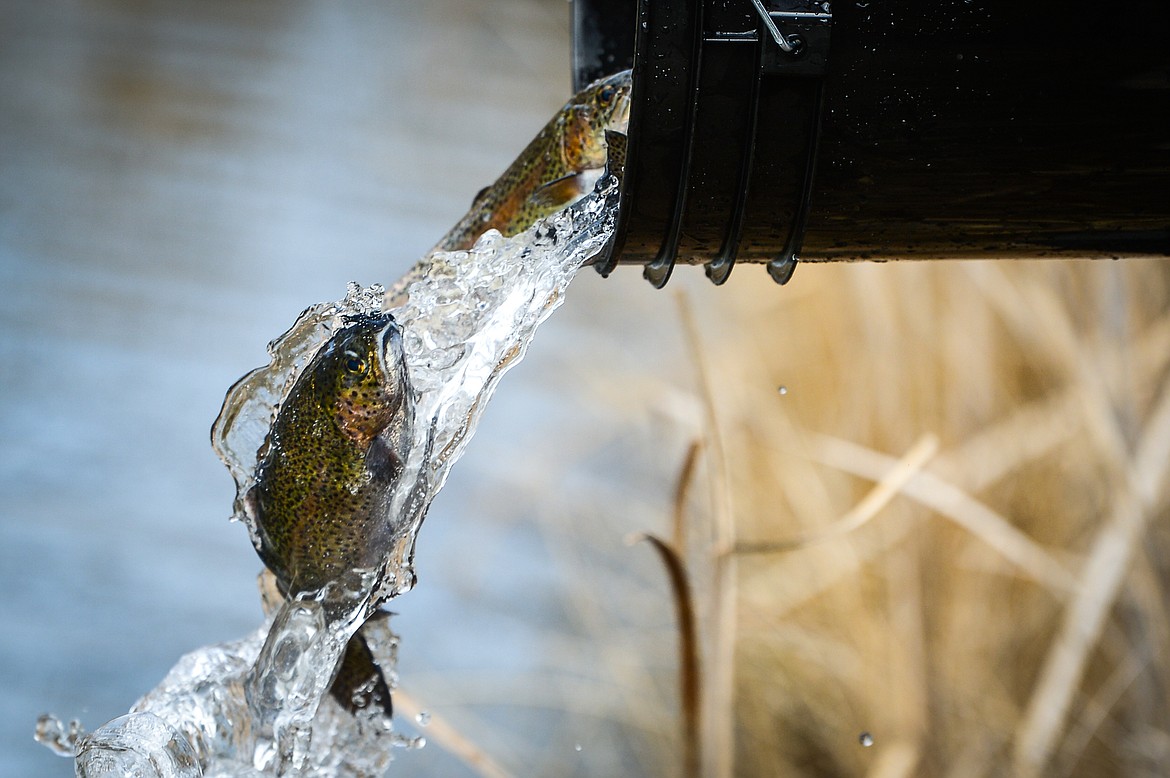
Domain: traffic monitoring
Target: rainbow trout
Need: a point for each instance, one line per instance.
(335, 451)
(553, 169)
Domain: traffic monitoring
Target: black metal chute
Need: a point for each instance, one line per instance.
(722, 135)
(977, 130)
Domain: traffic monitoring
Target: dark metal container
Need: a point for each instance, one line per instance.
(772, 130)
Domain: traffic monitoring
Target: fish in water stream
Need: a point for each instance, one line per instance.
(326, 475)
(553, 170)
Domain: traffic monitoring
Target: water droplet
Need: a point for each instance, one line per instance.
(576, 746)
(423, 718)
(783, 390)
(544, 234)
(865, 739)
(53, 734)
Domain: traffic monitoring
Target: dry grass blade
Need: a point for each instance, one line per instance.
(724, 520)
(720, 740)
(1097, 709)
(688, 649)
(1033, 430)
(685, 477)
(442, 733)
(1029, 433)
(887, 487)
(1101, 579)
(1029, 557)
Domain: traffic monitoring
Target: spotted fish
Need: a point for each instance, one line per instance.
(326, 474)
(553, 170)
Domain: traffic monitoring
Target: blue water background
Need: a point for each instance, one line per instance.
(177, 181)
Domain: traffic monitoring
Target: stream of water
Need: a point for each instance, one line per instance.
(259, 705)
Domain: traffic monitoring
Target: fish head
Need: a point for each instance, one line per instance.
(609, 102)
(362, 373)
(601, 106)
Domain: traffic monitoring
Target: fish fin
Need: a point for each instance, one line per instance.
(479, 196)
(360, 684)
(559, 191)
(617, 145)
(382, 461)
(252, 504)
(253, 510)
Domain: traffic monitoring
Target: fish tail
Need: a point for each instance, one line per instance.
(360, 684)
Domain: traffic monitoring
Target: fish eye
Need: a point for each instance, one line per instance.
(354, 363)
(606, 95)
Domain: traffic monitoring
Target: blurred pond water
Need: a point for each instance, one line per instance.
(177, 181)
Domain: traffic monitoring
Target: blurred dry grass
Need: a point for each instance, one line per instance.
(949, 530)
(1006, 612)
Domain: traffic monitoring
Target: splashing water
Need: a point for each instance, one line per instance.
(199, 721)
(258, 706)
(56, 736)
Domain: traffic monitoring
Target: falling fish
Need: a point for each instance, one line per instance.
(553, 170)
(326, 475)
